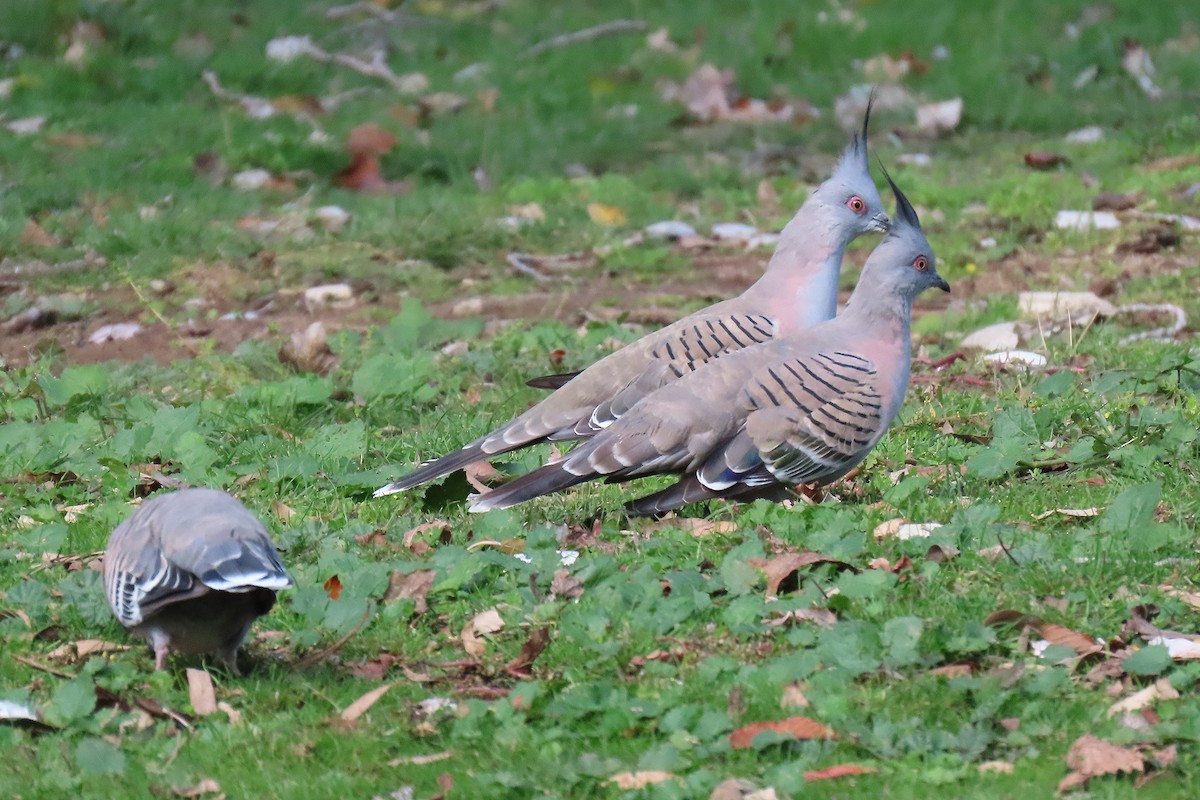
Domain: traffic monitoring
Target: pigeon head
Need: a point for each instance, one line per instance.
(850, 196)
(904, 260)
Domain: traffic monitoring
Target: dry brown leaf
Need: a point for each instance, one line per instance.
(364, 703)
(201, 692)
(639, 780)
(235, 716)
(369, 139)
(1057, 634)
(998, 767)
(781, 567)
(282, 510)
(565, 586)
(839, 771)
(34, 235)
(819, 616)
(1042, 160)
(308, 350)
(692, 525)
(1068, 512)
(416, 761)
(73, 651)
(414, 585)
(1188, 597)
(477, 472)
(1090, 756)
(796, 727)
(602, 214)
(481, 624)
(1159, 690)
(205, 786)
(439, 525)
(530, 650)
(793, 696)
(952, 671)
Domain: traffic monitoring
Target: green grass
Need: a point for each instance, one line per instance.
(665, 651)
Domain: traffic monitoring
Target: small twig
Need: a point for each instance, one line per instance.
(1004, 548)
(321, 655)
(587, 34)
(1164, 333)
(517, 260)
(375, 68)
(255, 107)
(29, 662)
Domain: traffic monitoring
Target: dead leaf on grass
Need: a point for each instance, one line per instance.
(1190, 598)
(1058, 634)
(792, 695)
(565, 586)
(205, 786)
(961, 669)
(76, 651)
(308, 350)
(1069, 512)
(1143, 698)
(412, 585)
(363, 704)
(419, 760)
(366, 143)
(693, 525)
(333, 587)
(602, 214)
(796, 727)
(477, 473)
(282, 510)
(1090, 756)
(998, 767)
(482, 624)
(1045, 160)
(819, 616)
(201, 692)
(639, 780)
(530, 650)
(34, 235)
(782, 567)
(839, 771)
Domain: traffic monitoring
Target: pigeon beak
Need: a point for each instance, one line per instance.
(880, 223)
(941, 284)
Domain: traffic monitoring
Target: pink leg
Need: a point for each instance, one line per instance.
(160, 654)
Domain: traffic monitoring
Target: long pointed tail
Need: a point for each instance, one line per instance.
(543, 480)
(431, 470)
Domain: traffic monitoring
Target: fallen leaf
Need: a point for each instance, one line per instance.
(839, 771)
(961, 669)
(565, 586)
(285, 514)
(1136, 61)
(364, 703)
(308, 350)
(530, 650)
(792, 696)
(205, 786)
(477, 472)
(602, 214)
(1143, 698)
(998, 767)
(411, 585)
(1090, 756)
(639, 780)
(796, 727)
(34, 235)
(75, 651)
(201, 692)
(334, 587)
(1058, 634)
(439, 525)
(783, 566)
(693, 525)
(902, 530)
(1068, 512)
(481, 624)
(937, 118)
(1190, 598)
(235, 716)
(820, 616)
(1045, 160)
(418, 760)
(369, 139)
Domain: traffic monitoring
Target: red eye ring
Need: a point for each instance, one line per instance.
(921, 263)
(857, 205)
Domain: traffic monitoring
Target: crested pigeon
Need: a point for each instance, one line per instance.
(190, 571)
(798, 289)
(805, 407)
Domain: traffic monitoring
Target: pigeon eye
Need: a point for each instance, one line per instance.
(857, 205)
(921, 263)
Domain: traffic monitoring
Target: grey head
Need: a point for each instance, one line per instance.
(903, 265)
(849, 197)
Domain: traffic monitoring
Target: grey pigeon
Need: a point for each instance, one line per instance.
(191, 570)
(798, 289)
(803, 408)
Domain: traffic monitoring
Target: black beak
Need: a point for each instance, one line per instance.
(941, 284)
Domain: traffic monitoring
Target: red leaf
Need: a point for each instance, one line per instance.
(839, 771)
(334, 587)
(796, 727)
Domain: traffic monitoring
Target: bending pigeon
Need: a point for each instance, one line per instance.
(191, 571)
(798, 289)
(804, 408)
